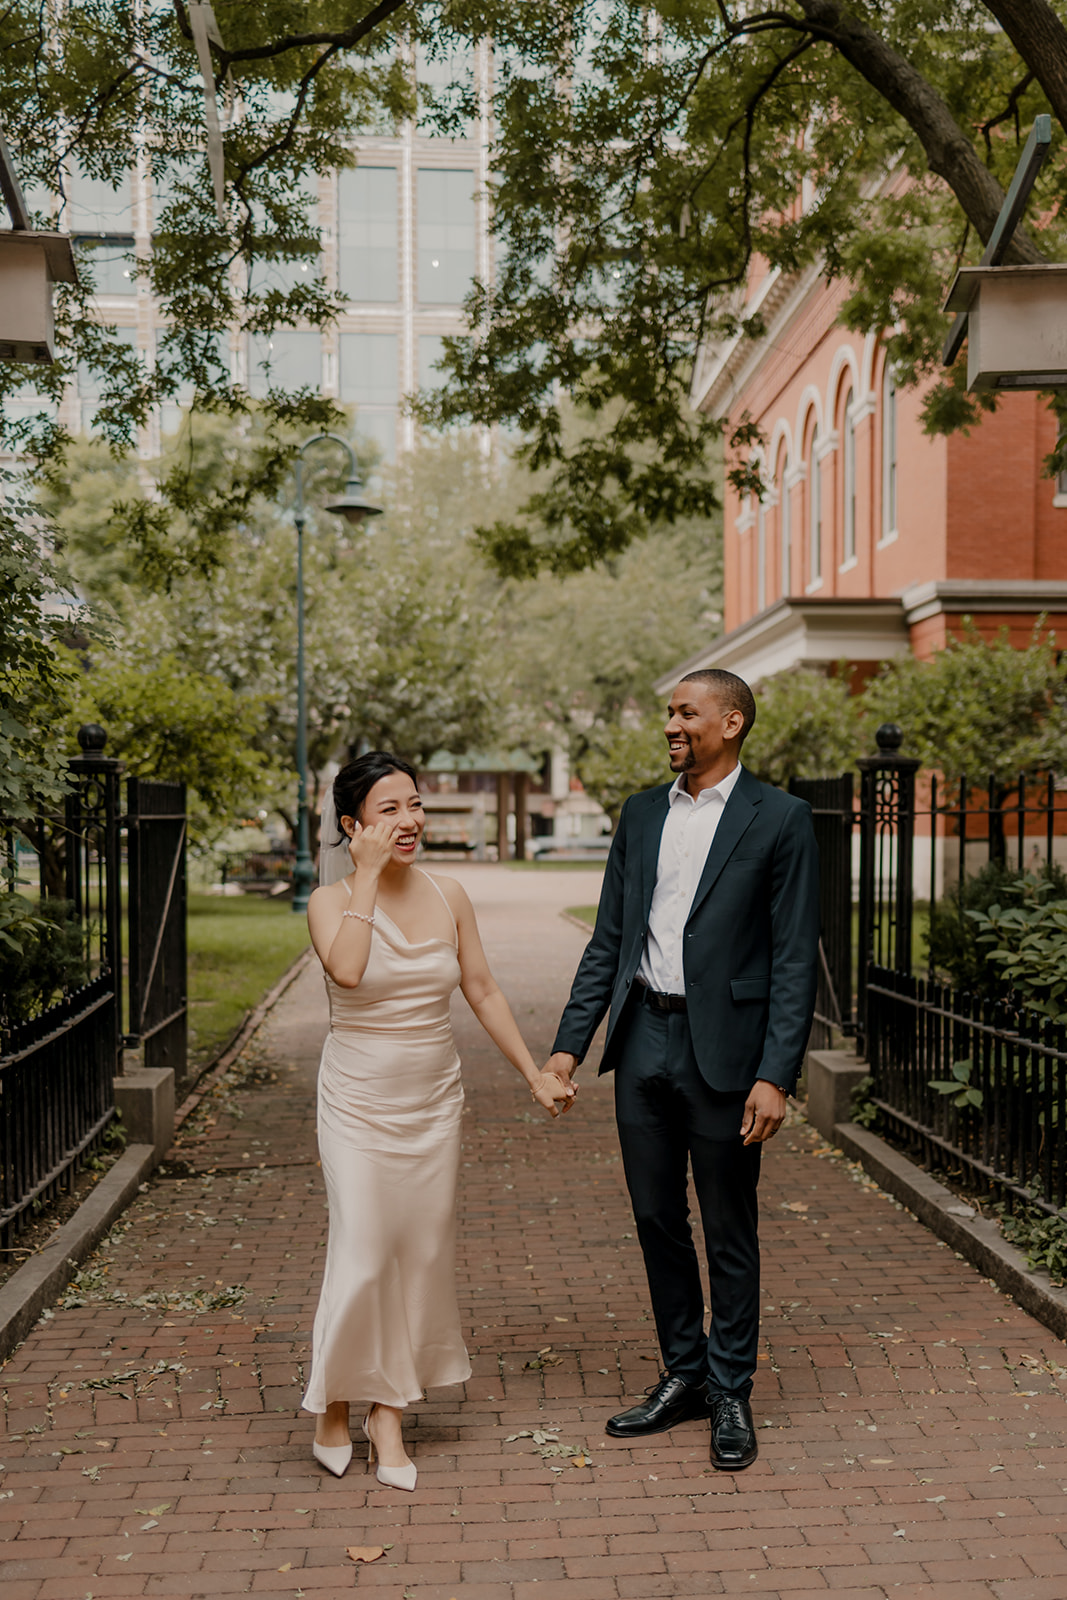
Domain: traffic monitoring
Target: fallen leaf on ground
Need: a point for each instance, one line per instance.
(286, 1566)
(794, 1205)
(580, 1461)
(365, 1552)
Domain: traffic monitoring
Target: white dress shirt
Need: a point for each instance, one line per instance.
(687, 836)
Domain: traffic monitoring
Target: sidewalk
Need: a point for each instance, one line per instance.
(912, 1420)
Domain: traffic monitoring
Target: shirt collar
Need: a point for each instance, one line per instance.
(721, 790)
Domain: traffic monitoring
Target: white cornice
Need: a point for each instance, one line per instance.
(801, 632)
(723, 370)
(957, 595)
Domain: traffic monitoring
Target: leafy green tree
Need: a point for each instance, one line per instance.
(168, 721)
(401, 622)
(585, 649)
(808, 725)
(873, 141)
(642, 160)
(35, 676)
(978, 707)
(623, 758)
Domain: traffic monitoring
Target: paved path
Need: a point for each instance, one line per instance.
(912, 1418)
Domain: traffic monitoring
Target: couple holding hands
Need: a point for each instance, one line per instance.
(704, 957)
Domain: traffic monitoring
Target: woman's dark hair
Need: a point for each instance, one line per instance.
(355, 781)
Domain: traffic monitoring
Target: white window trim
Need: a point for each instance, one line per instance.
(889, 536)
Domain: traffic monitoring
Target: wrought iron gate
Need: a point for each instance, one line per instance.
(834, 820)
(156, 835)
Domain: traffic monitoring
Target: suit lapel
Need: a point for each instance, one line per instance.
(651, 833)
(738, 814)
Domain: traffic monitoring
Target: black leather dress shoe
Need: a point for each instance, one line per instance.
(733, 1437)
(668, 1402)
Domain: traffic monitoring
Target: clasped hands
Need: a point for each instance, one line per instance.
(763, 1115)
(552, 1088)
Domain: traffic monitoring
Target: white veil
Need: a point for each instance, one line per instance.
(334, 859)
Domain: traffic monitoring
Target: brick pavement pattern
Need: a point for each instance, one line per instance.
(911, 1418)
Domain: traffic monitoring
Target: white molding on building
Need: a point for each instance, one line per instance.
(722, 370)
(982, 595)
(803, 633)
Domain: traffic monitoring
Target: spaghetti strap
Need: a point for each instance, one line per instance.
(348, 886)
(444, 897)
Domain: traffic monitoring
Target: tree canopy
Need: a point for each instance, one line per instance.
(643, 158)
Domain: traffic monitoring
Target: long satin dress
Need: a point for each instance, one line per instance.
(389, 1107)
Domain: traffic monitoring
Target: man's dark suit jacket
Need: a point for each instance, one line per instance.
(751, 950)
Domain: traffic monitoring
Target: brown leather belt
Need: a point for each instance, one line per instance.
(659, 1002)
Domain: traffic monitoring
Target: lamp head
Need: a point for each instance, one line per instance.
(353, 505)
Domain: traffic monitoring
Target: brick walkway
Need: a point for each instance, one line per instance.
(912, 1418)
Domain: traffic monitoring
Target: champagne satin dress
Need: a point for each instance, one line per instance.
(389, 1107)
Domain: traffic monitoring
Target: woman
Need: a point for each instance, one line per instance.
(395, 943)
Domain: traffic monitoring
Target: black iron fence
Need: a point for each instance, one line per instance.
(974, 1085)
(61, 1050)
(969, 1079)
(156, 839)
(831, 801)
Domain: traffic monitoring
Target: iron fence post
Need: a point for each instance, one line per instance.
(887, 845)
(93, 818)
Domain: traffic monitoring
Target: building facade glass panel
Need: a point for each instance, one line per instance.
(367, 263)
(284, 360)
(369, 380)
(446, 237)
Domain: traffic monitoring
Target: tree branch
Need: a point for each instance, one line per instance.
(1041, 39)
(295, 41)
(949, 152)
(1011, 110)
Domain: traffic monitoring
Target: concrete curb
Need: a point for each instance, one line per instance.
(977, 1239)
(43, 1278)
(576, 922)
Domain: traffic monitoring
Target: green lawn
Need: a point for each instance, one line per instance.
(583, 913)
(238, 949)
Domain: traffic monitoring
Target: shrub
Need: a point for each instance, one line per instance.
(1026, 946)
(952, 939)
(42, 956)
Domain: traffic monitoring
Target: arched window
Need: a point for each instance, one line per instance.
(889, 454)
(814, 510)
(848, 482)
(761, 553)
(785, 525)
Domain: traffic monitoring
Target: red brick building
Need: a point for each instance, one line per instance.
(871, 539)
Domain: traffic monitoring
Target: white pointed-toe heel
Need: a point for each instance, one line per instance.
(392, 1477)
(334, 1458)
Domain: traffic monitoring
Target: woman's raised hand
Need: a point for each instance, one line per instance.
(552, 1093)
(371, 848)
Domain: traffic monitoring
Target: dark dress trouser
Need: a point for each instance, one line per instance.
(667, 1116)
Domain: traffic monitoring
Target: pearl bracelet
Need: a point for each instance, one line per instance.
(359, 915)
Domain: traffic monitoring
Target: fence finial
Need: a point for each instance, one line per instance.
(889, 738)
(92, 737)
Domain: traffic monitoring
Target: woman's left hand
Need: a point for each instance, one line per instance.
(552, 1093)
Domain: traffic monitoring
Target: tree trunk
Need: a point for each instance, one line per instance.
(948, 149)
(1041, 40)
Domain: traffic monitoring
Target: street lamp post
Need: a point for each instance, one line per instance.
(354, 507)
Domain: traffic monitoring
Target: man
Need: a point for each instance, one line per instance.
(704, 955)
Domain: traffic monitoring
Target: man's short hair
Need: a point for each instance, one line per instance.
(732, 693)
